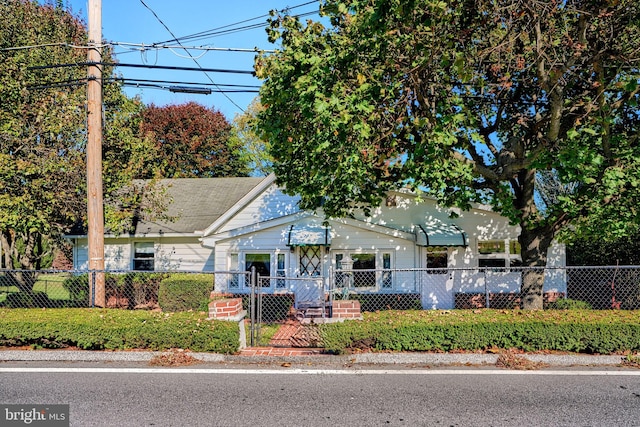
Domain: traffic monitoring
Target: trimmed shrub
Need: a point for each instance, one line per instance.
(28, 300)
(579, 331)
(78, 288)
(184, 292)
(376, 302)
(105, 329)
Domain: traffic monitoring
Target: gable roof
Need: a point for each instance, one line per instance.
(197, 203)
(194, 204)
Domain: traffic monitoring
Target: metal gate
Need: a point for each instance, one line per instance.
(307, 295)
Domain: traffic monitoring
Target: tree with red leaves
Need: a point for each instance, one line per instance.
(191, 141)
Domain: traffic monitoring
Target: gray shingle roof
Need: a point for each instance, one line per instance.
(198, 202)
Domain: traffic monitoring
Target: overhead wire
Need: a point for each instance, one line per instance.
(148, 83)
(189, 53)
(216, 31)
(159, 67)
(233, 30)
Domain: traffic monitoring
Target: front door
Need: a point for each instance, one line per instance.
(437, 284)
(310, 288)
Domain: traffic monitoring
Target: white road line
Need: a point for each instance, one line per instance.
(321, 371)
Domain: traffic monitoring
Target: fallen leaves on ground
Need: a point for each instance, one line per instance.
(177, 357)
(510, 360)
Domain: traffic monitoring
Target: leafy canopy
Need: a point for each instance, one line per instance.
(472, 101)
(43, 134)
(243, 134)
(190, 141)
(529, 106)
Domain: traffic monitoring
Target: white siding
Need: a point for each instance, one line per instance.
(271, 204)
(170, 253)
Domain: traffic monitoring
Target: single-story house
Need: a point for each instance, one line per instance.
(408, 245)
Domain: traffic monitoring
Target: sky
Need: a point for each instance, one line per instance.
(129, 21)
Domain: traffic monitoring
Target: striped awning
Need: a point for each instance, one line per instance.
(437, 233)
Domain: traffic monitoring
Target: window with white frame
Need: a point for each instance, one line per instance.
(311, 260)
(499, 253)
(234, 271)
(143, 256)
(364, 269)
(364, 266)
(387, 275)
(262, 263)
(281, 271)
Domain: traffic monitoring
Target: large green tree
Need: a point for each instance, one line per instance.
(472, 101)
(43, 135)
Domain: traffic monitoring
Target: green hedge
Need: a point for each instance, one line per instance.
(183, 292)
(581, 331)
(104, 329)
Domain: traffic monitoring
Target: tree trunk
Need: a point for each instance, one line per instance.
(26, 277)
(535, 244)
(24, 280)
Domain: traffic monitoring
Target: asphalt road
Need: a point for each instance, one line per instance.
(133, 394)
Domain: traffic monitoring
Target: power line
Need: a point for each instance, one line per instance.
(216, 31)
(144, 46)
(189, 53)
(173, 86)
(184, 83)
(158, 67)
(141, 46)
(211, 33)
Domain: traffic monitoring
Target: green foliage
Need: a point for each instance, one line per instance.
(28, 300)
(78, 288)
(92, 329)
(183, 292)
(135, 289)
(372, 302)
(581, 331)
(454, 100)
(600, 250)
(254, 150)
(43, 134)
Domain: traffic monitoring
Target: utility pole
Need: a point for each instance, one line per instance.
(95, 210)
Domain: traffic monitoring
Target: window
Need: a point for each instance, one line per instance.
(498, 253)
(366, 262)
(262, 263)
(311, 260)
(387, 278)
(437, 260)
(364, 270)
(234, 279)
(281, 271)
(143, 256)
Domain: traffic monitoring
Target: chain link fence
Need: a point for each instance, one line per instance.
(283, 297)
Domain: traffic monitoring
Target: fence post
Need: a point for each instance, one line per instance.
(92, 283)
(258, 307)
(486, 291)
(252, 303)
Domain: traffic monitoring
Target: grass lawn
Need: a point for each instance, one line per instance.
(50, 284)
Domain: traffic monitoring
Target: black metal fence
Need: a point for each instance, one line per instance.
(595, 287)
